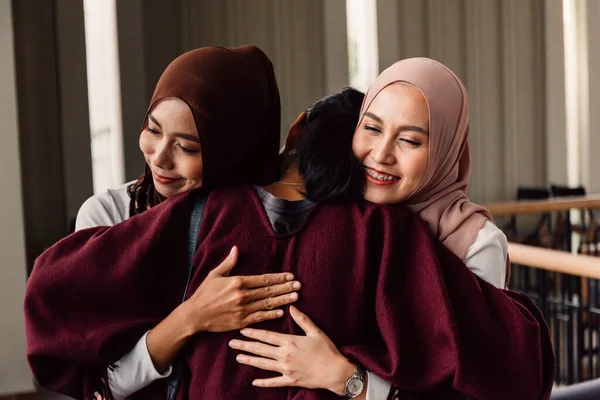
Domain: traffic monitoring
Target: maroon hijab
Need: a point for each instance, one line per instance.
(234, 98)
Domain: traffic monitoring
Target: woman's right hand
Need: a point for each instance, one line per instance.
(224, 303)
(221, 303)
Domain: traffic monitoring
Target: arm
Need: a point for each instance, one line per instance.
(96, 211)
(220, 304)
(487, 255)
(133, 371)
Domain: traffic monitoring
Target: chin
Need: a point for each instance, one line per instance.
(377, 197)
(383, 196)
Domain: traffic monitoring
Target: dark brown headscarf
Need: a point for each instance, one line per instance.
(234, 98)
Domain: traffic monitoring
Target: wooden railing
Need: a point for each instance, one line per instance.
(566, 288)
(555, 260)
(511, 208)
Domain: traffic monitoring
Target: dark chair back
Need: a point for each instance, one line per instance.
(589, 390)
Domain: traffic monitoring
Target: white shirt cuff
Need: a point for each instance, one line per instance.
(377, 388)
(134, 371)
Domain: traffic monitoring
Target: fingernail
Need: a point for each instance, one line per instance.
(232, 250)
(293, 309)
(296, 285)
(244, 331)
(240, 357)
(289, 277)
(279, 313)
(294, 296)
(234, 343)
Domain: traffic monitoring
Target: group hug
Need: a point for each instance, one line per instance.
(349, 263)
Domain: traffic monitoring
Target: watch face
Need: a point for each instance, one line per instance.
(355, 386)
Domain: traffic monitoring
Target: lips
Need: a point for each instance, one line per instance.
(165, 180)
(380, 178)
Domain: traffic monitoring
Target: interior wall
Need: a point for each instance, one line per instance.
(591, 141)
(39, 125)
(53, 118)
(305, 39)
(14, 371)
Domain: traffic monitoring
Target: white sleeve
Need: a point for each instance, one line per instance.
(134, 371)
(96, 211)
(487, 255)
(377, 388)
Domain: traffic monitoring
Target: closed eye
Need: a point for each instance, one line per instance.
(410, 142)
(372, 128)
(186, 150)
(152, 131)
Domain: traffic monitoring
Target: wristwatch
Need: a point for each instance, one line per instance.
(355, 384)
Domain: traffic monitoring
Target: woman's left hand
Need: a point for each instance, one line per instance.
(310, 361)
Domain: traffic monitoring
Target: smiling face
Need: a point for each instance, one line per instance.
(392, 143)
(171, 147)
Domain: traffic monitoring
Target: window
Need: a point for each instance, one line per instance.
(104, 93)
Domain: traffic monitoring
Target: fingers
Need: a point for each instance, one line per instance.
(271, 303)
(260, 316)
(256, 348)
(259, 362)
(273, 338)
(272, 291)
(258, 281)
(279, 381)
(304, 322)
(227, 265)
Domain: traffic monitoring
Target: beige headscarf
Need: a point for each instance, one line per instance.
(441, 198)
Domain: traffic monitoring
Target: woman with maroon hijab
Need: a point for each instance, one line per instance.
(213, 111)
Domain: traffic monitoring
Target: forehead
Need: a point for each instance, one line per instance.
(170, 106)
(173, 112)
(401, 101)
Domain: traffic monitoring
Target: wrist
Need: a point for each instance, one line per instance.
(343, 369)
(189, 323)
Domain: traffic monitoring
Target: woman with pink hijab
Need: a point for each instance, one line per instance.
(411, 140)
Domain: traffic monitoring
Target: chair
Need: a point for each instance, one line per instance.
(589, 390)
(588, 232)
(540, 235)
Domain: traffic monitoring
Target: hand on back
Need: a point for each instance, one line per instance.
(224, 303)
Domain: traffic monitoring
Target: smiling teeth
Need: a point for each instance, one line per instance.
(380, 177)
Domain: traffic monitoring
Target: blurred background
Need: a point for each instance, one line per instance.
(76, 77)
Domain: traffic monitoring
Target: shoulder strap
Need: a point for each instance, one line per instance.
(194, 231)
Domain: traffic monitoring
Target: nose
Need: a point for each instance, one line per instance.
(162, 157)
(383, 151)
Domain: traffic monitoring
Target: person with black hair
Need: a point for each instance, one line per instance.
(408, 144)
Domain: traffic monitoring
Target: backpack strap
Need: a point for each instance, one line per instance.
(194, 231)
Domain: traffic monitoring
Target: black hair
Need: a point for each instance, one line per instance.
(325, 158)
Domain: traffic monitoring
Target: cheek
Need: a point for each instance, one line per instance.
(194, 170)
(418, 165)
(146, 143)
(360, 146)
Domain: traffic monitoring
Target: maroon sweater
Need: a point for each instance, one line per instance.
(391, 297)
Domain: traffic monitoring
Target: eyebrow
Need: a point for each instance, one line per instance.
(403, 127)
(186, 136)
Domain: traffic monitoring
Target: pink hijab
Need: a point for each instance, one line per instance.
(441, 198)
